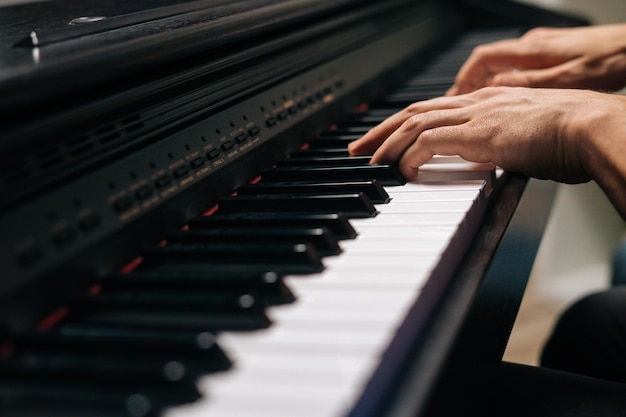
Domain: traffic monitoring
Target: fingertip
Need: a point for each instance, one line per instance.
(358, 147)
(375, 160)
(352, 146)
(410, 173)
(452, 91)
(507, 79)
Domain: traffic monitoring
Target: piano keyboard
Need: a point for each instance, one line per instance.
(280, 302)
(323, 348)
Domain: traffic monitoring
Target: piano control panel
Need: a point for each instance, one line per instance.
(63, 221)
(130, 187)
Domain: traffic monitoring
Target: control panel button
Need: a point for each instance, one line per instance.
(271, 122)
(144, 192)
(241, 138)
(213, 153)
(181, 171)
(123, 203)
(89, 222)
(229, 144)
(163, 181)
(197, 163)
(253, 131)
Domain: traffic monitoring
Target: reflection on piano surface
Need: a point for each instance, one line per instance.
(191, 238)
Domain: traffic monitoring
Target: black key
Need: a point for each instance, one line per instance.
(319, 152)
(338, 224)
(169, 320)
(412, 97)
(121, 399)
(178, 344)
(266, 286)
(352, 205)
(295, 259)
(225, 301)
(372, 189)
(434, 84)
(358, 123)
(346, 129)
(37, 408)
(372, 116)
(335, 141)
(227, 307)
(321, 239)
(386, 174)
(441, 81)
(328, 161)
(79, 366)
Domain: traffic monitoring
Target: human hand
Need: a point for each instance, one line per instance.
(586, 57)
(543, 133)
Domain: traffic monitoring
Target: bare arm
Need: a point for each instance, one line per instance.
(565, 135)
(587, 57)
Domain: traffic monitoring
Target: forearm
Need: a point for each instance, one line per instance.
(605, 149)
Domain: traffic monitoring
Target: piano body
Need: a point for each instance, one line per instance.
(183, 233)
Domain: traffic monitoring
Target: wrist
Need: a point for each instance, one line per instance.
(602, 146)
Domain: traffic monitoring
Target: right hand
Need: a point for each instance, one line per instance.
(586, 57)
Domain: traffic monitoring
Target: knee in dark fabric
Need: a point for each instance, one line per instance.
(590, 337)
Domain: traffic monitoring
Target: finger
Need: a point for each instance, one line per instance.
(368, 143)
(487, 61)
(407, 134)
(372, 140)
(482, 64)
(444, 140)
(560, 76)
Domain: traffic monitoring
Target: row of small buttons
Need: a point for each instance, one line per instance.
(302, 104)
(230, 144)
(61, 237)
(126, 202)
(66, 234)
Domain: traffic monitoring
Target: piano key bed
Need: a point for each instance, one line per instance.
(282, 301)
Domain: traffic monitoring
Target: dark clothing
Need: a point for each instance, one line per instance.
(583, 365)
(526, 391)
(590, 337)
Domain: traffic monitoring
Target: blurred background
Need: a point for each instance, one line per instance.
(574, 257)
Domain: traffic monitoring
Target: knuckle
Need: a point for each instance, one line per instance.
(413, 122)
(481, 51)
(428, 136)
(538, 32)
(413, 108)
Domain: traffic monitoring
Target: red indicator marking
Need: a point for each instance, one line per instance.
(54, 318)
(210, 211)
(130, 267)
